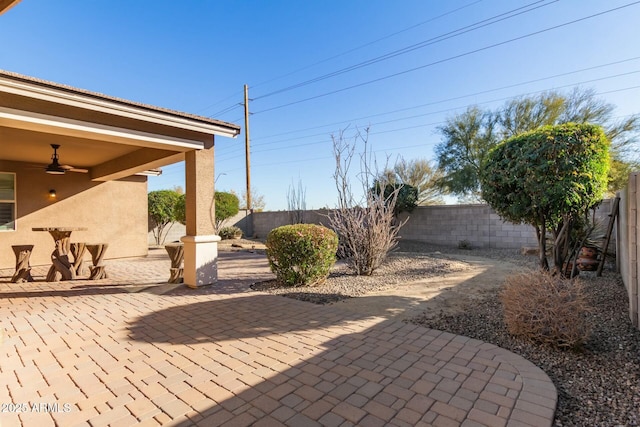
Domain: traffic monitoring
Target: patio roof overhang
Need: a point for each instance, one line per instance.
(7, 4)
(110, 137)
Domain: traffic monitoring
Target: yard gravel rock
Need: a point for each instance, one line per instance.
(597, 386)
(399, 268)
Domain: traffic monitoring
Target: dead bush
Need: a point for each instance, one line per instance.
(366, 223)
(546, 309)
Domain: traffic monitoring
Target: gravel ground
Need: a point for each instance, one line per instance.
(597, 386)
(400, 267)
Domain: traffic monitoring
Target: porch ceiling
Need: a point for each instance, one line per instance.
(105, 160)
(21, 145)
(110, 137)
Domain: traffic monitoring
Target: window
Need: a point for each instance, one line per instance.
(7, 201)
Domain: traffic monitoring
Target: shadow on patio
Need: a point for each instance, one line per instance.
(273, 360)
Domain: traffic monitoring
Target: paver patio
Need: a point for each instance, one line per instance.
(130, 350)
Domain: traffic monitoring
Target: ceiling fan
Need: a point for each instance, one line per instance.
(55, 168)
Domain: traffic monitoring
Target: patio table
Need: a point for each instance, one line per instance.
(61, 266)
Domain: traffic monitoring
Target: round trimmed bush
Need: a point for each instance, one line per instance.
(301, 254)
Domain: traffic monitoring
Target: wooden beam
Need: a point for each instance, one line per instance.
(132, 163)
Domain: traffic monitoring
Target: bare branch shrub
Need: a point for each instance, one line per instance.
(297, 203)
(366, 225)
(546, 309)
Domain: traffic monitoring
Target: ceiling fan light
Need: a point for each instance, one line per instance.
(55, 171)
(54, 168)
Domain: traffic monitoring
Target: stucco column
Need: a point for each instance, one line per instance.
(201, 242)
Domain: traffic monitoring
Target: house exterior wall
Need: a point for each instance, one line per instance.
(113, 212)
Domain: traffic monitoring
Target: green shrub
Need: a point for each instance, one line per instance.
(301, 254)
(546, 309)
(227, 205)
(230, 232)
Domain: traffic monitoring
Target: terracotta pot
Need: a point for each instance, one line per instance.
(588, 259)
(588, 252)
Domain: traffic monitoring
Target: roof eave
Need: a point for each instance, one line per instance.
(66, 95)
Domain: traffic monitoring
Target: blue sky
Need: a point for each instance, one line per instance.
(195, 56)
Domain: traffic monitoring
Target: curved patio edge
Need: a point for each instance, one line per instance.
(536, 403)
(503, 388)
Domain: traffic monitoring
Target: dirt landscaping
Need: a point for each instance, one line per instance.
(417, 278)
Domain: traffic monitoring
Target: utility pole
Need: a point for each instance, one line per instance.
(246, 145)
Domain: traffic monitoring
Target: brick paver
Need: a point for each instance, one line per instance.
(133, 350)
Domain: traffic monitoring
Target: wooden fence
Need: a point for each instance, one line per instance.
(629, 237)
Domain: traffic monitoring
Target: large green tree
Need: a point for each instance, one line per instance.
(547, 178)
(161, 205)
(468, 137)
(227, 205)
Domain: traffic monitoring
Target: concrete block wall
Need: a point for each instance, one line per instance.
(445, 225)
(264, 222)
(177, 230)
(478, 225)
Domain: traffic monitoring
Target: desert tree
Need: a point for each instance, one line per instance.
(419, 173)
(469, 136)
(258, 202)
(365, 222)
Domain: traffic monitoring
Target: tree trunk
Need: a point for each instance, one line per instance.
(541, 234)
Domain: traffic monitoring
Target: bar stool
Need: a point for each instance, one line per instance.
(23, 268)
(78, 250)
(176, 254)
(97, 252)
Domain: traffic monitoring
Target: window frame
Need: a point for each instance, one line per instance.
(14, 202)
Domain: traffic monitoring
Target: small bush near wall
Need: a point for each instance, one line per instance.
(546, 309)
(230, 232)
(301, 254)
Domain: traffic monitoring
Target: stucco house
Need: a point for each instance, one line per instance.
(112, 144)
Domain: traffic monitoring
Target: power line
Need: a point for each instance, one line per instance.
(451, 34)
(456, 108)
(448, 100)
(451, 99)
(337, 56)
(381, 149)
(369, 43)
(220, 101)
(438, 112)
(449, 58)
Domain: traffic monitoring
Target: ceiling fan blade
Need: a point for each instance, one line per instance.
(74, 169)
